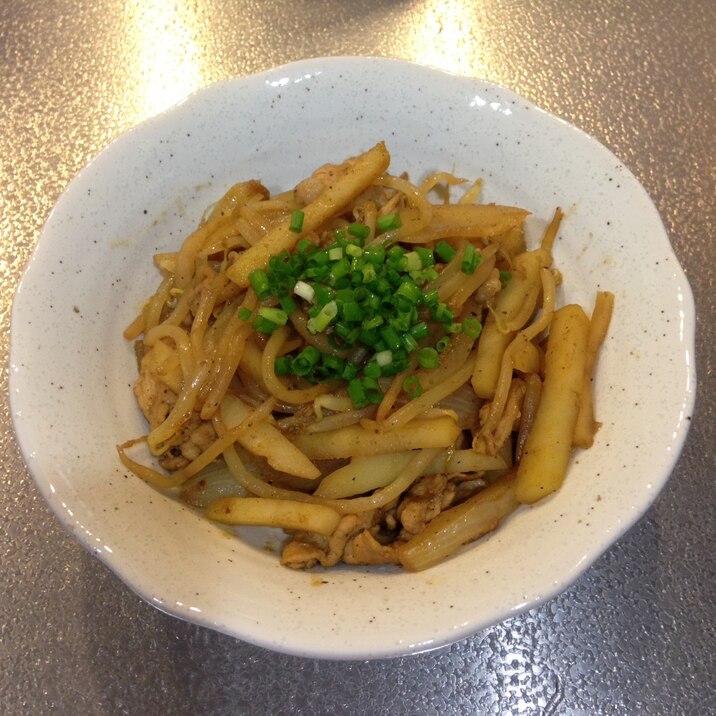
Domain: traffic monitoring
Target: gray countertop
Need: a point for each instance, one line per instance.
(635, 634)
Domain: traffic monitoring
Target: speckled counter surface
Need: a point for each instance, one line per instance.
(636, 634)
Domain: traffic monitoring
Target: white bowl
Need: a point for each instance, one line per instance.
(71, 371)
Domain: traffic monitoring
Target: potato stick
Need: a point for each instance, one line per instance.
(250, 363)
(354, 441)
(363, 474)
(412, 471)
(471, 221)
(458, 525)
(274, 513)
(586, 426)
(264, 439)
(415, 407)
(366, 168)
(525, 355)
(548, 446)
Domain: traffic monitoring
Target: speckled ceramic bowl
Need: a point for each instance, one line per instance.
(71, 372)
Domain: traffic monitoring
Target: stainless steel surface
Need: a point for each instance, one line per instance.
(635, 635)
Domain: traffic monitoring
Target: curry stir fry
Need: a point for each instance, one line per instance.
(370, 364)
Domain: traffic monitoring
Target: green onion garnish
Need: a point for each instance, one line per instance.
(505, 278)
(357, 393)
(360, 230)
(413, 387)
(471, 259)
(445, 251)
(388, 223)
(275, 315)
(260, 283)
(282, 366)
(296, 224)
(304, 290)
(245, 315)
(322, 319)
(303, 363)
(471, 327)
(428, 358)
(442, 344)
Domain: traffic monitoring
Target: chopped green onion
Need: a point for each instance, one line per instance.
(442, 344)
(445, 251)
(335, 253)
(428, 358)
(353, 250)
(275, 315)
(426, 256)
(373, 393)
(350, 371)
(442, 314)
(420, 330)
(357, 393)
(287, 303)
(409, 342)
(372, 370)
(351, 311)
(412, 262)
(282, 366)
(454, 328)
(323, 294)
(260, 283)
(296, 224)
(391, 338)
(384, 358)
(305, 291)
(340, 268)
(431, 298)
(413, 387)
(505, 278)
(375, 254)
(263, 325)
(369, 273)
(370, 323)
(360, 230)
(471, 327)
(321, 321)
(388, 222)
(307, 359)
(244, 314)
(409, 290)
(334, 364)
(471, 259)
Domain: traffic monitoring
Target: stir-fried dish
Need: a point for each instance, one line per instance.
(377, 367)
